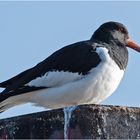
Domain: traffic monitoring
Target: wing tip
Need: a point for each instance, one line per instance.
(3, 84)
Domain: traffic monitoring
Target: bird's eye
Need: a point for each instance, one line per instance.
(121, 30)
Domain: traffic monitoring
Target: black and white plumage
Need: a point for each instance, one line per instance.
(86, 72)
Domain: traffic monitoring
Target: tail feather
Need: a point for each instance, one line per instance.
(3, 104)
(8, 103)
(4, 107)
(3, 97)
(1, 109)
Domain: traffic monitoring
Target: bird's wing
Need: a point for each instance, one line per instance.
(63, 66)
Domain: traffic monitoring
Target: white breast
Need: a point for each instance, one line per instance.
(106, 77)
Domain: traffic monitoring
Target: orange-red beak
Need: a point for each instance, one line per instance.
(133, 45)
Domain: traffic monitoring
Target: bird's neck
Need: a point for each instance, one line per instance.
(117, 51)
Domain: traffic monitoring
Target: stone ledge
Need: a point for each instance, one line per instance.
(87, 121)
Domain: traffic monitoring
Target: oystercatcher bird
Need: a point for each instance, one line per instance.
(86, 72)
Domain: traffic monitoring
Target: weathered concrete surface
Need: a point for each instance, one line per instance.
(87, 121)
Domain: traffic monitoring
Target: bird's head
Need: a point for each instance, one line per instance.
(114, 33)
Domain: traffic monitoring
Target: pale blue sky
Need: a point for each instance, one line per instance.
(31, 31)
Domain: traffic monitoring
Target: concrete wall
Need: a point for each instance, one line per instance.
(87, 121)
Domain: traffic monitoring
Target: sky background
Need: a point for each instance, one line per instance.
(31, 31)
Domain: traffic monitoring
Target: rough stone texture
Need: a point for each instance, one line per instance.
(87, 121)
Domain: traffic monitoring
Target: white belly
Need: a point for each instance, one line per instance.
(93, 88)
